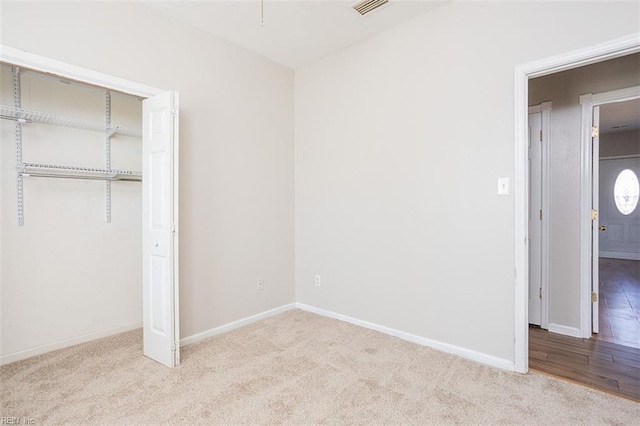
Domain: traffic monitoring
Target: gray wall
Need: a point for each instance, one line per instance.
(620, 143)
(400, 141)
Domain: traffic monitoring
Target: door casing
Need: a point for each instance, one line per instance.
(522, 73)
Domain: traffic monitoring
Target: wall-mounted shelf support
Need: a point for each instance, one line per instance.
(107, 153)
(17, 99)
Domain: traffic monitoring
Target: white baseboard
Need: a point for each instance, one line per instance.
(491, 360)
(444, 347)
(619, 255)
(65, 343)
(235, 324)
(563, 329)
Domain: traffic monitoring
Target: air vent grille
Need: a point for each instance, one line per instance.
(366, 6)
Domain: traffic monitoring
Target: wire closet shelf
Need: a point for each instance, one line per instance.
(26, 116)
(23, 117)
(71, 172)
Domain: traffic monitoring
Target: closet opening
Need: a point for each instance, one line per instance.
(89, 211)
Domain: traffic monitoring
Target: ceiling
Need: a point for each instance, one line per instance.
(295, 32)
(620, 116)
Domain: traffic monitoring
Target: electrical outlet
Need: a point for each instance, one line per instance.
(260, 284)
(318, 281)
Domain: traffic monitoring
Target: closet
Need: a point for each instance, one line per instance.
(71, 211)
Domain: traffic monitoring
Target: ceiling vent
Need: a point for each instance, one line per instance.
(366, 6)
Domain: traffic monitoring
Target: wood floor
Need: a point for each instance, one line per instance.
(598, 364)
(619, 302)
(610, 361)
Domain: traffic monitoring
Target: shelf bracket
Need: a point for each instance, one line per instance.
(17, 101)
(111, 131)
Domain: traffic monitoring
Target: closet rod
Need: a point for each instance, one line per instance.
(69, 176)
(20, 120)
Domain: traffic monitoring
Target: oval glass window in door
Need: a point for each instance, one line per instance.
(626, 191)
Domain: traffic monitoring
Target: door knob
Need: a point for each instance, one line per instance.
(602, 228)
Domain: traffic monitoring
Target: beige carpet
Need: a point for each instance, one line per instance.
(295, 368)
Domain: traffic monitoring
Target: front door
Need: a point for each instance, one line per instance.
(619, 211)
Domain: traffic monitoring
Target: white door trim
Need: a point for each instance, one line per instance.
(21, 58)
(545, 109)
(588, 102)
(522, 73)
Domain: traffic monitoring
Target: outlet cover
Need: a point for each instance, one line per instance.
(260, 284)
(318, 281)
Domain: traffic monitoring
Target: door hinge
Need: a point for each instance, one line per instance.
(595, 132)
(594, 214)
(173, 229)
(540, 135)
(594, 296)
(540, 214)
(540, 292)
(175, 355)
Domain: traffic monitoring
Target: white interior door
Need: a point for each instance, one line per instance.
(620, 227)
(535, 218)
(160, 242)
(595, 223)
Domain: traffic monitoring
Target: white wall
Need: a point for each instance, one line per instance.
(400, 141)
(67, 273)
(564, 90)
(236, 148)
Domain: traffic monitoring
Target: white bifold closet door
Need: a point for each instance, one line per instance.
(159, 236)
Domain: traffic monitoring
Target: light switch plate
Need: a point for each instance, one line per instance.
(504, 184)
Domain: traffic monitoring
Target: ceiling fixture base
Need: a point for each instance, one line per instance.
(367, 6)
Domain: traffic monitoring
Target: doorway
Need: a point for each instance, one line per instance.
(159, 201)
(620, 107)
(617, 319)
(523, 73)
(564, 350)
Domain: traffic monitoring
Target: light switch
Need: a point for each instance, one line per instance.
(503, 186)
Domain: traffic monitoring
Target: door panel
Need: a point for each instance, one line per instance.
(535, 221)
(160, 279)
(595, 221)
(159, 296)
